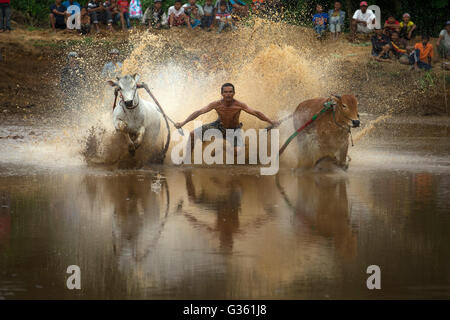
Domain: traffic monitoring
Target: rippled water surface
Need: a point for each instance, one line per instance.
(205, 233)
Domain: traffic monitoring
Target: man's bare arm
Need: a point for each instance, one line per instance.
(195, 114)
(257, 114)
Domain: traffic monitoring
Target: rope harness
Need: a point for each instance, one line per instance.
(327, 106)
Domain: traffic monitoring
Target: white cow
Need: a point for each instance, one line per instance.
(133, 116)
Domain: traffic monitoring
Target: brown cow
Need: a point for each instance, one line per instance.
(327, 137)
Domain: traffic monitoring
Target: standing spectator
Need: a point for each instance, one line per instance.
(5, 16)
(380, 46)
(391, 25)
(223, 17)
(208, 17)
(110, 7)
(443, 43)
(57, 15)
(85, 21)
(363, 20)
(320, 21)
(422, 54)
(123, 14)
(407, 28)
(95, 10)
(72, 80)
(112, 68)
(176, 14)
(336, 18)
(153, 16)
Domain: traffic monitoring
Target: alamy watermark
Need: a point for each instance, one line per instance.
(258, 149)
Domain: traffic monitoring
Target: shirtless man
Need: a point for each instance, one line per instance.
(228, 110)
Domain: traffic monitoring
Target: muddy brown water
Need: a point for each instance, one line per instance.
(166, 232)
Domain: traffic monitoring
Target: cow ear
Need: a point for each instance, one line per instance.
(336, 98)
(112, 83)
(136, 77)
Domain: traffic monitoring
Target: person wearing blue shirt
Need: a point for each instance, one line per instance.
(320, 20)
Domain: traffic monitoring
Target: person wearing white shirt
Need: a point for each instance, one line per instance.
(176, 14)
(363, 20)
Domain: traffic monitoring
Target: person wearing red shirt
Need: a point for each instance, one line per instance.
(391, 25)
(5, 16)
(123, 14)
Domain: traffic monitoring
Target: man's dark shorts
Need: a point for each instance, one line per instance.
(238, 142)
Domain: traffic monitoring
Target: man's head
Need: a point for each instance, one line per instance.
(378, 32)
(447, 26)
(395, 36)
(319, 8)
(192, 2)
(114, 54)
(391, 19)
(363, 6)
(425, 39)
(58, 2)
(406, 17)
(223, 5)
(72, 57)
(337, 5)
(227, 91)
(177, 4)
(158, 4)
(208, 2)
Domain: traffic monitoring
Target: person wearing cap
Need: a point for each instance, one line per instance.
(443, 43)
(72, 80)
(407, 28)
(113, 67)
(363, 20)
(391, 25)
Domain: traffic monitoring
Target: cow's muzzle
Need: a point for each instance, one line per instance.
(128, 103)
(356, 123)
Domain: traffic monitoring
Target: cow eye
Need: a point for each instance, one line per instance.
(344, 105)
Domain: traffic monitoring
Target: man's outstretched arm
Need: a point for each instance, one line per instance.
(194, 115)
(258, 114)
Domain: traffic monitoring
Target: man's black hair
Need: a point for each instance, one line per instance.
(226, 85)
(425, 36)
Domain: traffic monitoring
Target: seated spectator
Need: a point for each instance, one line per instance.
(96, 12)
(391, 25)
(153, 16)
(176, 14)
(407, 28)
(443, 43)
(223, 17)
(336, 19)
(257, 5)
(240, 8)
(5, 16)
(422, 54)
(208, 17)
(363, 20)
(72, 80)
(380, 46)
(57, 15)
(123, 15)
(112, 68)
(188, 11)
(195, 18)
(85, 21)
(110, 9)
(397, 47)
(320, 21)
